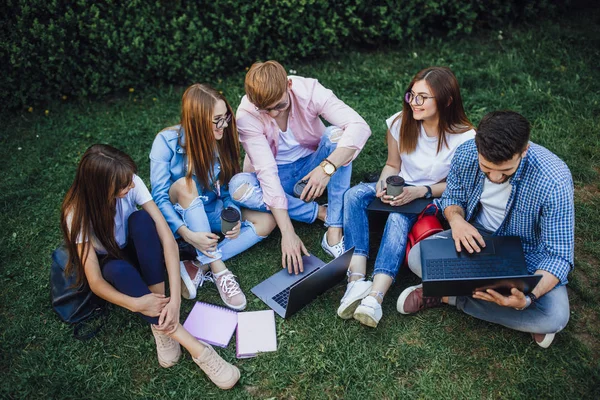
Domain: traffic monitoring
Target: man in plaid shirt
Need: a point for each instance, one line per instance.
(502, 184)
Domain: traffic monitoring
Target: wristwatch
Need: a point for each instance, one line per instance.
(529, 300)
(328, 167)
(428, 195)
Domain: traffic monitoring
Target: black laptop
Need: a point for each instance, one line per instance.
(288, 293)
(500, 266)
(414, 207)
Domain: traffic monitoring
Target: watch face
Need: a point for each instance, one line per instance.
(328, 168)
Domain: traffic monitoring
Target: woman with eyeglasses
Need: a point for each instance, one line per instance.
(191, 165)
(421, 140)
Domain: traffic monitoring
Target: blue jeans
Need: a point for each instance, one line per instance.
(143, 264)
(356, 230)
(201, 217)
(289, 174)
(549, 314)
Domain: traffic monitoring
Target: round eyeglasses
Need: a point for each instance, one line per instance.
(219, 123)
(419, 98)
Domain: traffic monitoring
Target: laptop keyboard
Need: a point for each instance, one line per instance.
(470, 268)
(282, 297)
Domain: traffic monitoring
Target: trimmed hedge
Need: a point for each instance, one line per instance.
(52, 48)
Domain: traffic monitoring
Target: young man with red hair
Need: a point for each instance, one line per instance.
(280, 127)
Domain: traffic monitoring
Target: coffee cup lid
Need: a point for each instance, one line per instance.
(230, 214)
(299, 187)
(395, 180)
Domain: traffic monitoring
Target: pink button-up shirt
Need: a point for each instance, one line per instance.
(259, 133)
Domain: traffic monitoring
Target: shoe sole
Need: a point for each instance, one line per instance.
(548, 339)
(237, 378)
(402, 299)
(237, 308)
(348, 311)
(169, 364)
(186, 282)
(365, 319)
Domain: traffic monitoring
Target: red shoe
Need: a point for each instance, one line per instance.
(193, 275)
(411, 300)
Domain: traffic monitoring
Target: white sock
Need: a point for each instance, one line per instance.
(218, 274)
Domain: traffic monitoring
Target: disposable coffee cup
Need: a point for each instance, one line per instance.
(299, 188)
(229, 219)
(395, 185)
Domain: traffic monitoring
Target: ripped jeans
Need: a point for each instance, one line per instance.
(291, 173)
(356, 230)
(201, 217)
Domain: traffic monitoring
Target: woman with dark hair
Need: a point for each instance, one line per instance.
(121, 253)
(191, 165)
(421, 140)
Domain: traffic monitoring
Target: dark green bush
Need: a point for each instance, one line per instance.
(51, 48)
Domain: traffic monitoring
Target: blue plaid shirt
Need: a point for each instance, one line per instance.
(540, 208)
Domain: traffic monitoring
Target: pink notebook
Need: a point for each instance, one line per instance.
(255, 333)
(213, 324)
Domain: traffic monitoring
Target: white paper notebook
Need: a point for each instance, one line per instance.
(255, 333)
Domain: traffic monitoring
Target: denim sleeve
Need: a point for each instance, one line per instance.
(160, 179)
(227, 200)
(557, 232)
(455, 193)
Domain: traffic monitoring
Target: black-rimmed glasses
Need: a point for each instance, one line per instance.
(419, 98)
(219, 123)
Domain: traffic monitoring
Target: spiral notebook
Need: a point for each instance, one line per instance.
(213, 324)
(255, 333)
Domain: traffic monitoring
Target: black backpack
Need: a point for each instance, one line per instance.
(76, 305)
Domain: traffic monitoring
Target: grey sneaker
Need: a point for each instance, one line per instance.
(219, 371)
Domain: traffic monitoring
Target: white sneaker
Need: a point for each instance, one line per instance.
(355, 292)
(192, 277)
(369, 312)
(334, 251)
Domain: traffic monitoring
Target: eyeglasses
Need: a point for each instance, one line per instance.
(419, 98)
(219, 123)
(278, 107)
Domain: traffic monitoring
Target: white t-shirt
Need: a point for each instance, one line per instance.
(424, 166)
(288, 149)
(126, 206)
(494, 199)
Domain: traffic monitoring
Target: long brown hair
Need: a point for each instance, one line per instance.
(90, 204)
(452, 117)
(200, 144)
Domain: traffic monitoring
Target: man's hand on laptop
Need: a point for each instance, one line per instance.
(466, 235)
(291, 252)
(515, 300)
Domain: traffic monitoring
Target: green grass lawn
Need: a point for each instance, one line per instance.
(549, 73)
